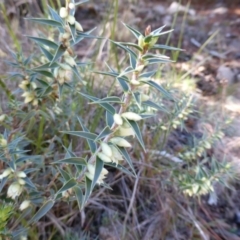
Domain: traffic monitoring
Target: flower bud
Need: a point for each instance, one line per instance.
(124, 132)
(139, 68)
(132, 116)
(144, 97)
(2, 117)
(78, 26)
(3, 142)
(28, 97)
(71, 5)
(14, 190)
(121, 142)
(25, 204)
(116, 154)
(106, 149)
(6, 173)
(104, 157)
(63, 12)
(23, 85)
(21, 181)
(141, 41)
(135, 82)
(117, 119)
(69, 60)
(71, 20)
(21, 174)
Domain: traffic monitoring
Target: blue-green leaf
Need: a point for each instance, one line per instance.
(49, 22)
(69, 184)
(59, 52)
(105, 132)
(135, 32)
(97, 173)
(86, 135)
(137, 131)
(154, 105)
(109, 119)
(79, 196)
(92, 145)
(159, 88)
(64, 174)
(107, 106)
(120, 167)
(44, 41)
(127, 157)
(72, 160)
(47, 206)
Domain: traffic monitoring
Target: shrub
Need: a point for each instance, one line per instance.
(43, 126)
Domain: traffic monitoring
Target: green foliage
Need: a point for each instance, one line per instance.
(42, 129)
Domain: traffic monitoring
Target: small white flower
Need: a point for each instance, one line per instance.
(135, 82)
(116, 155)
(71, 5)
(21, 181)
(124, 132)
(144, 97)
(63, 12)
(70, 61)
(104, 157)
(91, 172)
(3, 142)
(117, 119)
(23, 84)
(71, 20)
(2, 117)
(25, 204)
(28, 97)
(6, 173)
(21, 174)
(139, 68)
(14, 190)
(132, 116)
(121, 142)
(106, 149)
(78, 26)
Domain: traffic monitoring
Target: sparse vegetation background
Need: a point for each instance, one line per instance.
(119, 120)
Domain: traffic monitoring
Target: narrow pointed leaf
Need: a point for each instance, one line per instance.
(131, 45)
(72, 160)
(79, 196)
(159, 88)
(46, 53)
(59, 52)
(105, 132)
(49, 22)
(135, 32)
(107, 106)
(154, 105)
(137, 131)
(92, 145)
(86, 135)
(88, 184)
(64, 174)
(147, 74)
(97, 173)
(69, 184)
(73, 31)
(45, 42)
(123, 83)
(159, 46)
(42, 211)
(120, 167)
(127, 157)
(109, 119)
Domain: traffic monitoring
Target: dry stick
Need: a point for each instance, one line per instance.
(132, 199)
